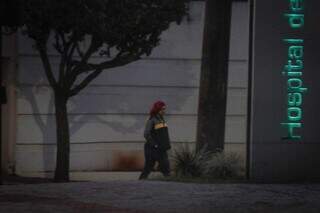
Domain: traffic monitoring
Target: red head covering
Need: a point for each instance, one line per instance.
(157, 106)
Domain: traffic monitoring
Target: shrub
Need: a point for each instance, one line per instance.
(223, 165)
(190, 163)
(205, 164)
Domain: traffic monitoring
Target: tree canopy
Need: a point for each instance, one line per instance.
(119, 30)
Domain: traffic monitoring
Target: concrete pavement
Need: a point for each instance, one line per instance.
(158, 197)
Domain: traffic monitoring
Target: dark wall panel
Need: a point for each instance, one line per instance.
(284, 137)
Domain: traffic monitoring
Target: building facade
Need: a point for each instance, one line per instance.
(108, 117)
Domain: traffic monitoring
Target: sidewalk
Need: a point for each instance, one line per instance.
(159, 197)
(93, 176)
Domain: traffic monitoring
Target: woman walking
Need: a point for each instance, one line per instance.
(157, 141)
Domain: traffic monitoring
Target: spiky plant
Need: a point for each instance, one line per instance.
(224, 166)
(189, 162)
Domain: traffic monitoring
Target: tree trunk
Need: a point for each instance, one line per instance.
(63, 139)
(214, 75)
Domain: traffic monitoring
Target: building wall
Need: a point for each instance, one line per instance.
(108, 117)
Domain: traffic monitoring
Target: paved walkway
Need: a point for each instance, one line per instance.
(159, 197)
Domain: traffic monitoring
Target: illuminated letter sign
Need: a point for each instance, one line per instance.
(293, 71)
(284, 90)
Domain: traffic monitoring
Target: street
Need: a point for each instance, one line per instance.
(159, 197)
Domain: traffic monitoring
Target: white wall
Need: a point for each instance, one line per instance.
(108, 117)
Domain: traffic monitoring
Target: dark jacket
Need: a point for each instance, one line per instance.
(156, 133)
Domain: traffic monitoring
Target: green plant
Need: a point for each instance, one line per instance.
(224, 166)
(206, 165)
(190, 163)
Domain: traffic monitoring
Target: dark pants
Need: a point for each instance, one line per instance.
(151, 155)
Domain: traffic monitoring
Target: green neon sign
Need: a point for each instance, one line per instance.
(293, 72)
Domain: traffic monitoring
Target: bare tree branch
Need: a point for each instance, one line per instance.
(81, 54)
(120, 61)
(47, 65)
(84, 83)
(116, 62)
(64, 55)
(69, 57)
(65, 43)
(57, 44)
(94, 46)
